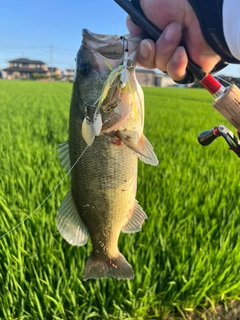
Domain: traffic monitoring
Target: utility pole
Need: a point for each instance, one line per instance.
(51, 60)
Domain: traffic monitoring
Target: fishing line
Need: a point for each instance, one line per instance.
(223, 80)
(42, 203)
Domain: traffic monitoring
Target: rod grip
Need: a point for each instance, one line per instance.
(229, 105)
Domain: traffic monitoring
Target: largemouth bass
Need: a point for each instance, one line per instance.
(105, 141)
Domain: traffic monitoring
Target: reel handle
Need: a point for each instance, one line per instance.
(207, 137)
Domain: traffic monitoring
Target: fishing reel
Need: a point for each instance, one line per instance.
(205, 138)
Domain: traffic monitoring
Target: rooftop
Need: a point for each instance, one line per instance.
(25, 60)
(30, 70)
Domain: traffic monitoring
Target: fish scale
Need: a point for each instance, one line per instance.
(101, 202)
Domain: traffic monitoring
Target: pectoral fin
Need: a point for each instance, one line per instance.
(69, 223)
(148, 156)
(144, 148)
(63, 151)
(136, 220)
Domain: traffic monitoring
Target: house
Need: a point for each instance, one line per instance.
(148, 78)
(68, 75)
(54, 72)
(24, 68)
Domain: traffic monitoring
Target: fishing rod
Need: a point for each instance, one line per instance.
(226, 99)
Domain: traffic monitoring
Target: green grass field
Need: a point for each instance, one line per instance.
(187, 255)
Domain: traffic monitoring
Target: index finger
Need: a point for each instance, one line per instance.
(133, 28)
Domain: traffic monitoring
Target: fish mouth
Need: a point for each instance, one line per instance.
(101, 38)
(106, 45)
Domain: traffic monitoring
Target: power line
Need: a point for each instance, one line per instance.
(36, 47)
(63, 49)
(21, 48)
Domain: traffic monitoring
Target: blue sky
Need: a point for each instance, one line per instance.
(29, 28)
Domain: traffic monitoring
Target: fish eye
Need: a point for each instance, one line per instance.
(85, 69)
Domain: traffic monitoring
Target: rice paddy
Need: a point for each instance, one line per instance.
(185, 258)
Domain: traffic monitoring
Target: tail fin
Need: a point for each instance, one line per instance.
(116, 267)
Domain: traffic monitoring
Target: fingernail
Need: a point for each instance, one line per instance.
(172, 31)
(179, 54)
(145, 49)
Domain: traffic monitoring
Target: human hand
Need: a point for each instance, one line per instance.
(179, 23)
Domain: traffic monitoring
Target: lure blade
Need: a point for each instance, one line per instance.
(88, 131)
(97, 122)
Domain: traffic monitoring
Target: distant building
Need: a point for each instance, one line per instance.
(145, 77)
(24, 68)
(149, 78)
(52, 71)
(68, 75)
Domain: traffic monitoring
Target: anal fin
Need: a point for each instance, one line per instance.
(135, 222)
(69, 222)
